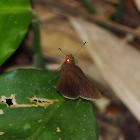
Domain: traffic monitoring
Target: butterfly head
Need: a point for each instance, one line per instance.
(69, 58)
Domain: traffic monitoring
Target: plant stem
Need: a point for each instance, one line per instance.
(38, 57)
(119, 11)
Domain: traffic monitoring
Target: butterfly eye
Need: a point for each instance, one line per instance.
(67, 60)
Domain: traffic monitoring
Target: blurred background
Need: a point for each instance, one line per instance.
(110, 59)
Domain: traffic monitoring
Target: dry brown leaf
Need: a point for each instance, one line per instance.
(118, 62)
(137, 3)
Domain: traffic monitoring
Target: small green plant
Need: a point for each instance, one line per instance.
(30, 106)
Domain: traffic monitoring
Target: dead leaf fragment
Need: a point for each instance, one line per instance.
(1, 112)
(137, 3)
(58, 129)
(11, 102)
(2, 133)
(42, 101)
(40, 120)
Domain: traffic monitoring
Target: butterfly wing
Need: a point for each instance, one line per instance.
(73, 84)
(88, 90)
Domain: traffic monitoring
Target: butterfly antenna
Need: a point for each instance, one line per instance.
(80, 48)
(62, 51)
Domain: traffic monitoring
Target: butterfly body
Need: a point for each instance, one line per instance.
(73, 83)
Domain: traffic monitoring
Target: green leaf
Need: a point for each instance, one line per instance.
(63, 119)
(15, 17)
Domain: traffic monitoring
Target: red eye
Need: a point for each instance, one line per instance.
(67, 60)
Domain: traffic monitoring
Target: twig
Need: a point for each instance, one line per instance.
(65, 11)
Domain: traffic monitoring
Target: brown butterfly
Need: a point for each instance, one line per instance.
(73, 83)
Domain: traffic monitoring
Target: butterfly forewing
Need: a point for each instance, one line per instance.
(67, 85)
